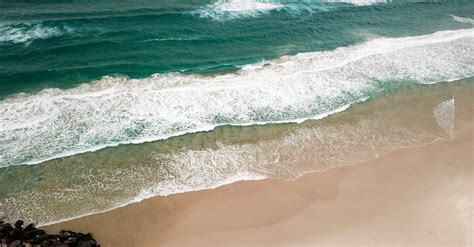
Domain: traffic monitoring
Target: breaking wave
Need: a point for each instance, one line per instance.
(26, 33)
(230, 154)
(117, 110)
(232, 9)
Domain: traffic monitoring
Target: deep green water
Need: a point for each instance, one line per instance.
(47, 44)
(107, 102)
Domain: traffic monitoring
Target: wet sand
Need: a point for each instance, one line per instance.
(416, 196)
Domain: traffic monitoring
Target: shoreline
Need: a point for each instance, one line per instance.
(179, 219)
(243, 180)
(284, 151)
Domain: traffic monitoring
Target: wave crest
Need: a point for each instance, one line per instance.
(231, 9)
(117, 110)
(26, 33)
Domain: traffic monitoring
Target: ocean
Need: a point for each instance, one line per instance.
(105, 103)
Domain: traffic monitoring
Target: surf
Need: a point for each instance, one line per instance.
(231, 9)
(222, 10)
(27, 33)
(117, 110)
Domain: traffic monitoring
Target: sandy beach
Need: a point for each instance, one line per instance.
(419, 196)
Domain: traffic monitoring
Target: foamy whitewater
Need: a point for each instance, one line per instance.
(232, 9)
(365, 132)
(358, 2)
(463, 20)
(25, 33)
(116, 110)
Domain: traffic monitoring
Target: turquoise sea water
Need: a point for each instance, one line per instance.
(60, 44)
(82, 80)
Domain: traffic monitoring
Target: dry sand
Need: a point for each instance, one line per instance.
(416, 196)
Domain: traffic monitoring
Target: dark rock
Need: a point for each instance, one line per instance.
(71, 240)
(64, 235)
(33, 241)
(8, 227)
(18, 223)
(28, 235)
(88, 237)
(44, 243)
(84, 237)
(39, 232)
(53, 237)
(17, 234)
(16, 243)
(53, 242)
(30, 227)
(88, 243)
(40, 238)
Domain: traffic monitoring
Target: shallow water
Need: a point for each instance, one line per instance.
(115, 176)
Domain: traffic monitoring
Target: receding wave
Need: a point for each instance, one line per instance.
(26, 33)
(116, 110)
(444, 115)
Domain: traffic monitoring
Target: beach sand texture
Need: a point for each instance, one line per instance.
(415, 196)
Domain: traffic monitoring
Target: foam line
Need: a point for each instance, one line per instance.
(222, 10)
(463, 20)
(26, 33)
(116, 110)
(359, 2)
(231, 9)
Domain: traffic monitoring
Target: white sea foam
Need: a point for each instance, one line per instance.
(444, 115)
(169, 187)
(117, 110)
(304, 150)
(463, 20)
(230, 9)
(358, 2)
(150, 172)
(26, 33)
